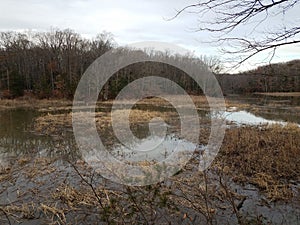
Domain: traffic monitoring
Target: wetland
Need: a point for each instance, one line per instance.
(254, 179)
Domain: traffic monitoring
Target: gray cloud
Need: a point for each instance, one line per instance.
(130, 21)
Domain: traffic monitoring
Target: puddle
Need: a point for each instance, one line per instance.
(268, 211)
(153, 148)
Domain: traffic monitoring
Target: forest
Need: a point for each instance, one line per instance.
(276, 77)
(50, 65)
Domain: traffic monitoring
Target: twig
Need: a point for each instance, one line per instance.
(88, 183)
(5, 215)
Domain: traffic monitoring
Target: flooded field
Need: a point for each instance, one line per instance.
(254, 179)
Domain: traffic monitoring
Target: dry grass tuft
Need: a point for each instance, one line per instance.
(24, 211)
(54, 212)
(267, 157)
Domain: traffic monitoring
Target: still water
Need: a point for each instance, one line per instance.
(153, 147)
(17, 137)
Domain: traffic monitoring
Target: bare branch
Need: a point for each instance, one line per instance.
(225, 16)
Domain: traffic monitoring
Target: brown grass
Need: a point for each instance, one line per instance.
(25, 211)
(33, 103)
(54, 123)
(180, 99)
(267, 157)
(280, 94)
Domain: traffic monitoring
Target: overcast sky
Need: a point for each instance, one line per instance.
(129, 21)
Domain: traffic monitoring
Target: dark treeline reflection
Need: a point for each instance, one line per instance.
(17, 138)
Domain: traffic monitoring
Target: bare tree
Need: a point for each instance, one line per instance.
(46, 63)
(214, 63)
(224, 18)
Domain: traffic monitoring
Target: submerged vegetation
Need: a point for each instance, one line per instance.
(74, 193)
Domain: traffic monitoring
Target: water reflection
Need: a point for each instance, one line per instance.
(153, 148)
(267, 109)
(244, 117)
(17, 138)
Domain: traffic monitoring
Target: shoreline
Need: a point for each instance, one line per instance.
(279, 94)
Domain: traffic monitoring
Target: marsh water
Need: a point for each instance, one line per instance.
(17, 137)
(271, 108)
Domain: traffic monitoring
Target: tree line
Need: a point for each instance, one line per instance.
(276, 77)
(46, 63)
(50, 65)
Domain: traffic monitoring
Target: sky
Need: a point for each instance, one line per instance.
(129, 21)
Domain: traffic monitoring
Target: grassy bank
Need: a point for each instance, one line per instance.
(280, 94)
(33, 103)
